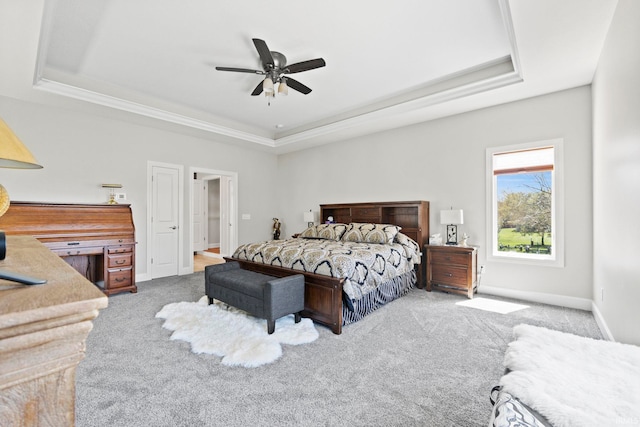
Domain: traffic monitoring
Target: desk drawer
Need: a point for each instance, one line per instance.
(119, 260)
(449, 258)
(120, 278)
(448, 275)
(120, 249)
(76, 251)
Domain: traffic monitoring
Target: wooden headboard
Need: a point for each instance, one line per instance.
(413, 217)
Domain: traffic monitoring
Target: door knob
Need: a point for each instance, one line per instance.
(173, 228)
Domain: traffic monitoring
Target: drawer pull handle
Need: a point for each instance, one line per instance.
(119, 279)
(73, 243)
(120, 261)
(71, 253)
(449, 275)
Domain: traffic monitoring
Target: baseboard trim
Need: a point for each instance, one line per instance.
(551, 299)
(143, 277)
(604, 329)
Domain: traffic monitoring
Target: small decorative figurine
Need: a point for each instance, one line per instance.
(465, 237)
(276, 229)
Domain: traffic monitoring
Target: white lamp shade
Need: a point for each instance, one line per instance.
(283, 89)
(308, 216)
(267, 86)
(451, 216)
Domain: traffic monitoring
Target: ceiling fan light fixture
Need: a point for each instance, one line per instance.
(267, 86)
(283, 89)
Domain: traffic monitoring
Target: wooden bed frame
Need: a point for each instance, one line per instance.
(323, 294)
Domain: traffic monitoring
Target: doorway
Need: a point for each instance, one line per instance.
(212, 216)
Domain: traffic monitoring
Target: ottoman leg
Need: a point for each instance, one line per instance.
(297, 317)
(210, 300)
(271, 326)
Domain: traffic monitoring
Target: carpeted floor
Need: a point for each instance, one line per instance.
(420, 361)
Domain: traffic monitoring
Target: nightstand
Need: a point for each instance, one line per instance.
(452, 269)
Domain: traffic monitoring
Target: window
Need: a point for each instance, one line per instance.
(524, 196)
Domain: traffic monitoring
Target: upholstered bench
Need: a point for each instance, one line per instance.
(262, 296)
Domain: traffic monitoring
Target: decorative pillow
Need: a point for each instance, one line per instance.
(508, 411)
(324, 231)
(370, 233)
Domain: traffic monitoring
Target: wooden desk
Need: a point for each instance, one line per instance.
(98, 240)
(43, 330)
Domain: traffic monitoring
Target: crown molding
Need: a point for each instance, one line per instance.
(145, 110)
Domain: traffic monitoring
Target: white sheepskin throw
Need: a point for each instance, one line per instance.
(240, 339)
(572, 380)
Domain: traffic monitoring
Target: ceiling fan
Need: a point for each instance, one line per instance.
(276, 70)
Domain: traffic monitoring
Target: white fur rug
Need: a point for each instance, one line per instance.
(240, 339)
(572, 380)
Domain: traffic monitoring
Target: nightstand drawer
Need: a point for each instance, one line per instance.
(448, 275)
(449, 258)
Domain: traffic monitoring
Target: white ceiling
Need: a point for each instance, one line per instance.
(388, 64)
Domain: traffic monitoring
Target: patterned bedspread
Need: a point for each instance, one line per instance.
(364, 266)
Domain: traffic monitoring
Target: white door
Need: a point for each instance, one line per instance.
(199, 219)
(226, 221)
(165, 221)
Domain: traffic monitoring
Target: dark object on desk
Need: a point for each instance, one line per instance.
(15, 277)
(3, 245)
(21, 278)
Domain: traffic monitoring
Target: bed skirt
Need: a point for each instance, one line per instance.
(352, 311)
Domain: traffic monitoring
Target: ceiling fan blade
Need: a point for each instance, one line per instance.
(296, 85)
(239, 70)
(258, 90)
(305, 65)
(265, 54)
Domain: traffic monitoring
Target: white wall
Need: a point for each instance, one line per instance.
(80, 150)
(443, 161)
(616, 116)
(214, 212)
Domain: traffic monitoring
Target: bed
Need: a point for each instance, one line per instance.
(342, 261)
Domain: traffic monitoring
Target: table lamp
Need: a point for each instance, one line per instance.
(13, 154)
(308, 216)
(452, 218)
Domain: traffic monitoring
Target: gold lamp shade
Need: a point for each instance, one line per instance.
(4, 200)
(13, 153)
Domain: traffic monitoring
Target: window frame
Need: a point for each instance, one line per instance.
(556, 259)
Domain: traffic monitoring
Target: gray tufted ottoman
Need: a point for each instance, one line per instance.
(262, 296)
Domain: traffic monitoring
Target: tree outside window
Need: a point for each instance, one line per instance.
(524, 202)
(524, 212)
